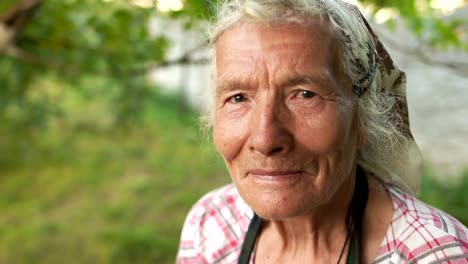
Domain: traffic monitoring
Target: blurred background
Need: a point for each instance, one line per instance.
(101, 151)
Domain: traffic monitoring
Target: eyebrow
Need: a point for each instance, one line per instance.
(316, 80)
(230, 85)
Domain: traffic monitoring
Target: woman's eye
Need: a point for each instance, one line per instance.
(306, 94)
(238, 98)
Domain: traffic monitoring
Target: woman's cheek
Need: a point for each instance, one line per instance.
(321, 129)
(230, 133)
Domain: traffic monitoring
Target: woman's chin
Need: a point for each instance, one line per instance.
(275, 208)
(280, 200)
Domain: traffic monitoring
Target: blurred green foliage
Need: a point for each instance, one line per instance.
(448, 195)
(96, 165)
(106, 195)
(434, 28)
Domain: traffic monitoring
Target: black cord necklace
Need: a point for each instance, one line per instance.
(354, 220)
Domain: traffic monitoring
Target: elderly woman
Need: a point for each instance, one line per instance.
(310, 116)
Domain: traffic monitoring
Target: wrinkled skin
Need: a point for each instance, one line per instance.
(285, 118)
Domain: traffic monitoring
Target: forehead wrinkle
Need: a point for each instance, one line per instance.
(227, 57)
(231, 40)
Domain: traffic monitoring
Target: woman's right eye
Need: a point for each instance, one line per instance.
(237, 98)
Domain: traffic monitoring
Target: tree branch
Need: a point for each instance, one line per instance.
(26, 57)
(185, 59)
(22, 55)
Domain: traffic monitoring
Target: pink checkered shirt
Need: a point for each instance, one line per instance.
(216, 225)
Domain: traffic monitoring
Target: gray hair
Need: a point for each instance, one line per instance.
(388, 149)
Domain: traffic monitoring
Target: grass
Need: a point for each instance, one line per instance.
(120, 195)
(116, 196)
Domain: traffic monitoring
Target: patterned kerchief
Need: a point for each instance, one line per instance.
(392, 80)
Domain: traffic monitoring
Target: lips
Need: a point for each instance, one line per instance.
(275, 175)
(273, 172)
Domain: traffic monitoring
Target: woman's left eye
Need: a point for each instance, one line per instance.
(237, 98)
(306, 94)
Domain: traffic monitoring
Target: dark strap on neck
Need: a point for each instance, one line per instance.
(250, 239)
(354, 251)
(358, 207)
(359, 200)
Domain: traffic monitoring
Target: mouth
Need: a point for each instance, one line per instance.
(275, 176)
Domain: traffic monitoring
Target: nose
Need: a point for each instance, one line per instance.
(269, 129)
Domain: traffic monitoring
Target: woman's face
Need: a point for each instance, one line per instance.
(285, 121)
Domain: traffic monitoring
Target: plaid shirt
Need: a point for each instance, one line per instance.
(215, 228)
